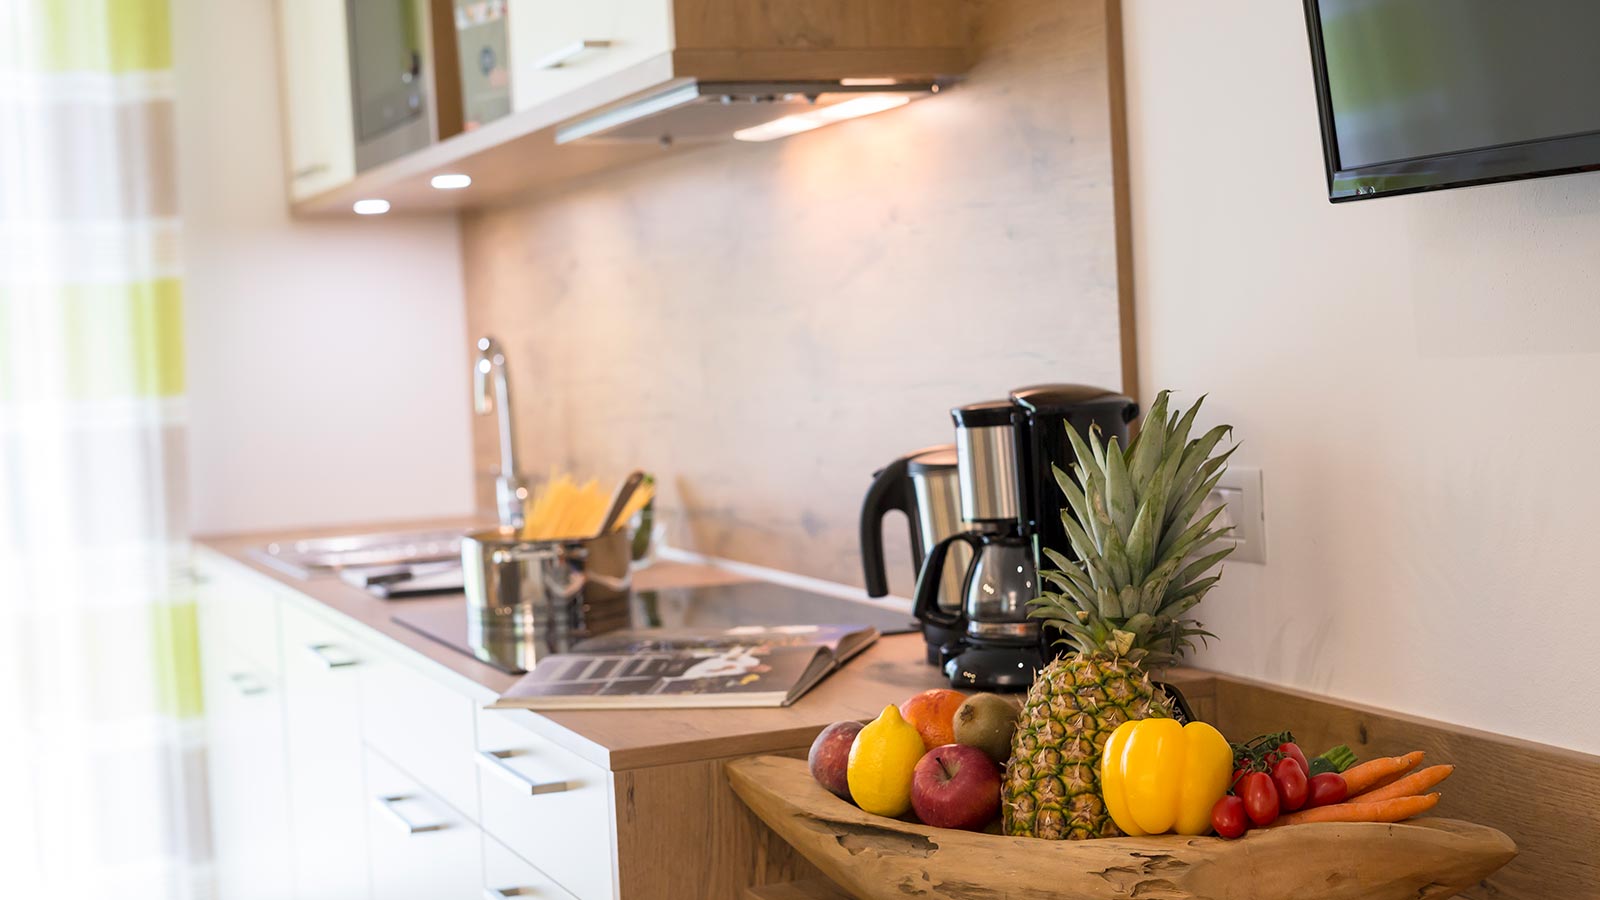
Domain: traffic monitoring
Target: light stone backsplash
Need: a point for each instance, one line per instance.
(764, 325)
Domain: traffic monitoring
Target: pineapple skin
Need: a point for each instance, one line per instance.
(1052, 783)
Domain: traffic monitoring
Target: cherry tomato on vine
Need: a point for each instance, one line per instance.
(1228, 817)
(1290, 781)
(1328, 788)
(1292, 751)
(1260, 797)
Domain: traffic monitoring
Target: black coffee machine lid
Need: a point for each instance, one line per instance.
(1056, 397)
(987, 414)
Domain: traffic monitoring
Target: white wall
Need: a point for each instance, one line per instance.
(1412, 375)
(328, 368)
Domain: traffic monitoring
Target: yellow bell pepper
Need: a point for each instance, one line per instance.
(1158, 776)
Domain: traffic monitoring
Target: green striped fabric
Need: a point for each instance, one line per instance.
(103, 35)
(115, 340)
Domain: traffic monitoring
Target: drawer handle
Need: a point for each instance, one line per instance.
(340, 658)
(495, 761)
(555, 59)
(507, 893)
(308, 171)
(247, 685)
(386, 803)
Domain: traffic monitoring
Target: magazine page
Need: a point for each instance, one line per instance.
(689, 639)
(740, 669)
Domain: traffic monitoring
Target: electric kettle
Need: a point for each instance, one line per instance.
(922, 485)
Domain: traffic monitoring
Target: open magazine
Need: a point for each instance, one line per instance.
(659, 669)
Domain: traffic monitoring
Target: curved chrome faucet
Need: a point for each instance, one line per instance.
(509, 489)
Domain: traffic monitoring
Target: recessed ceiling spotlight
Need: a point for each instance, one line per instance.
(372, 207)
(452, 181)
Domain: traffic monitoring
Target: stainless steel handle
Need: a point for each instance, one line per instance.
(494, 761)
(504, 893)
(339, 659)
(387, 802)
(555, 59)
(247, 685)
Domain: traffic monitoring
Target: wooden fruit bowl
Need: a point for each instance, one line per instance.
(876, 858)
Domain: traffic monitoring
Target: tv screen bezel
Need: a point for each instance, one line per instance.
(1564, 155)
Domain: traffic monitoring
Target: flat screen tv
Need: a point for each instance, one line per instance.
(1417, 95)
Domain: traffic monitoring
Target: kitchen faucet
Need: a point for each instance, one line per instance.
(509, 489)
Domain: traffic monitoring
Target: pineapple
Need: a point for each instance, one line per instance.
(1143, 559)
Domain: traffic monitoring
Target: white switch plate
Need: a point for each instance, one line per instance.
(1240, 489)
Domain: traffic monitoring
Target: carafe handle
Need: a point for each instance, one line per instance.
(926, 607)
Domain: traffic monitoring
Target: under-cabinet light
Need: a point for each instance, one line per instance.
(452, 181)
(371, 207)
(816, 118)
(867, 82)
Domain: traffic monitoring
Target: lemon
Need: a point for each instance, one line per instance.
(881, 761)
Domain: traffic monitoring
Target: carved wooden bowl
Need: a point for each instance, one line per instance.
(876, 858)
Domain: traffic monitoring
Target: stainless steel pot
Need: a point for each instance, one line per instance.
(527, 599)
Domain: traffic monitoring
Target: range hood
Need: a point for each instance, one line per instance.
(690, 111)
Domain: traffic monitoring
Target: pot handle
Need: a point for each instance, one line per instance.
(926, 607)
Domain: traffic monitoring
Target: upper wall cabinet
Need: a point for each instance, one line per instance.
(363, 84)
(506, 96)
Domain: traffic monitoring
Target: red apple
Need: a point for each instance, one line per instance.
(955, 786)
(830, 757)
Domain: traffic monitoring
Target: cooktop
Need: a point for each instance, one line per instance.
(714, 606)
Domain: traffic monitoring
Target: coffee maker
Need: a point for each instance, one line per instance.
(1011, 506)
(922, 485)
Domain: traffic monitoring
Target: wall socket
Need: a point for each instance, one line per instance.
(1240, 489)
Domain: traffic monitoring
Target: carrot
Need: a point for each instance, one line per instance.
(1364, 776)
(1382, 811)
(1418, 782)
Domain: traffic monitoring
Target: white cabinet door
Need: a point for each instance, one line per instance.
(420, 847)
(551, 806)
(248, 783)
(558, 46)
(505, 876)
(315, 79)
(326, 799)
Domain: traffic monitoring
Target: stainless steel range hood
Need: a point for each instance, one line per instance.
(692, 112)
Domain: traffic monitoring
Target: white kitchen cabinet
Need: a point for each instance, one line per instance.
(318, 118)
(422, 726)
(419, 847)
(246, 769)
(322, 712)
(506, 875)
(551, 805)
(557, 47)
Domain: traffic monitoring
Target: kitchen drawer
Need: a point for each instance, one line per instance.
(419, 848)
(507, 875)
(246, 777)
(322, 715)
(241, 612)
(550, 806)
(421, 726)
(546, 38)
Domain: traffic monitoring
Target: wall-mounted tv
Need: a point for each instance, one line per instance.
(1417, 95)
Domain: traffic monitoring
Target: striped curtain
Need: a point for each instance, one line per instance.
(101, 792)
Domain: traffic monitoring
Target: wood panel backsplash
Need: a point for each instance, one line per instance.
(764, 325)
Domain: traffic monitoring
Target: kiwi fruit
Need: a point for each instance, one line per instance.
(987, 722)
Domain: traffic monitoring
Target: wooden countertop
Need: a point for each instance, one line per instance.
(887, 672)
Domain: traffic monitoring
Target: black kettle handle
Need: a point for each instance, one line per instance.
(891, 489)
(926, 607)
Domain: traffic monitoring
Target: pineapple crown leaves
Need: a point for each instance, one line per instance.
(1144, 555)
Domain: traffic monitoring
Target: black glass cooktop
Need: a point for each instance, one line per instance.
(716, 606)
